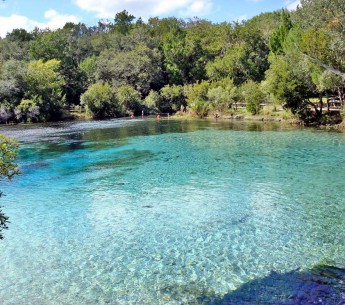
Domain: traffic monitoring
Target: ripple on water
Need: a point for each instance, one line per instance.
(170, 213)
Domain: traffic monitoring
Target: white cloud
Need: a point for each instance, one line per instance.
(197, 9)
(147, 8)
(13, 22)
(53, 21)
(292, 5)
(241, 18)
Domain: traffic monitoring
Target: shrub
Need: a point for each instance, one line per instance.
(253, 96)
(100, 100)
(129, 100)
(27, 111)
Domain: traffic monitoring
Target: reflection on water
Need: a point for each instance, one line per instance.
(173, 212)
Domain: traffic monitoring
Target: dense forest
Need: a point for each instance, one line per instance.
(125, 66)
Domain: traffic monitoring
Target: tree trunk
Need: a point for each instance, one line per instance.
(340, 93)
(321, 104)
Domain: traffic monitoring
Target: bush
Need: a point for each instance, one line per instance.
(152, 100)
(129, 100)
(100, 100)
(27, 111)
(197, 98)
(172, 98)
(253, 96)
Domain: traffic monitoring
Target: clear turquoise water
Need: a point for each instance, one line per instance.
(167, 212)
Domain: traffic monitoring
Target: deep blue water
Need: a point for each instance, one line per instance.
(172, 212)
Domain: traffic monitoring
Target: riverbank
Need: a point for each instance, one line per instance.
(265, 115)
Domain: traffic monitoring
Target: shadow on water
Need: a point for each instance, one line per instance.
(321, 285)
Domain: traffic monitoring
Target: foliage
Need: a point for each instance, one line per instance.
(172, 98)
(129, 100)
(171, 64)
(328, 81)
(12, 80)
(47, 46)
(229, 65)
(100, 100)
(5, 111)
(8, 154)
(88, 69)
(27, 111)
(43, 85)
(139, 68)
(223, 95)
(278, 37)
(8, 169)
(253, 96)
(246, 58)
(324, 20)
(197, 99)
(152, 100)
(123, 22)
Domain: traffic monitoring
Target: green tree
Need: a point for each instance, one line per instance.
(48, 45)
(129, 100)
(278, 37)
(123, 22)
(228, 65)
(43, 84)
(172, 98)
(139, 68)
(323, 20)
(8, 154)
(245, 58)
(253, 96)
(88, 69)
(152, 101)
(223, 94)
(12, 82)
(196, 96)
(184, 57)
(27, 111)
(100, 100)
(289, 81)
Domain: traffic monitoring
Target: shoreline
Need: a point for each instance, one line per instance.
(293, 121)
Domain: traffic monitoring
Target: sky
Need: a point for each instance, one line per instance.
(53, 14)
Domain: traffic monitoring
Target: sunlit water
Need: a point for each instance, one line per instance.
(167, 212)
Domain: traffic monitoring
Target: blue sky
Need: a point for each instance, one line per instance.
(53, 14)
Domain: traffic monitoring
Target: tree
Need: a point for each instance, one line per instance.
(324, 19)
(152, 100)
(172, 98)
(197, 99)
(129, 100)
(139, 68)
(88, 69)
(223, 94)
(289, 80)
(12, 82)
(100, 100)
(8, 169)
(123, 22)
(27, 111)
(184, 56)
(245, 58)
(228, 65)
(253, 96)
(278, 37)
(43, 84)
(48, 45)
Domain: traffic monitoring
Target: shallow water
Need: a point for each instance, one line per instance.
(167, 212)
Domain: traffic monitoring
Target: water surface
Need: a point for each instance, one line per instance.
(168, 212)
